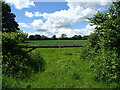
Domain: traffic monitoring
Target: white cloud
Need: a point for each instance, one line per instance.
(24, 25)
(38, 25)
(37, 14)
(61, 21)
(69, 32)
(39, 33)
(77, 12)
(28, 14)
(20, 4)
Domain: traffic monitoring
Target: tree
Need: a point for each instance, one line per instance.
(16, 61)
(44, 37)
(8, 19)
(85, 37)
(54, 37)
(74, 37)
(104, 46)
(63, 36)
(108, 26)
(31, 37)
(79, 37)
(37, 37)
(22, 37)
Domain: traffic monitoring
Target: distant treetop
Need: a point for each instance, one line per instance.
(8, 19)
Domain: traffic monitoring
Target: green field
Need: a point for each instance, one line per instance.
(48, 52)
(64, 69)
(55, 42)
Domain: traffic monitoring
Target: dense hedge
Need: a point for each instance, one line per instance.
(103, 45)
(17, 62)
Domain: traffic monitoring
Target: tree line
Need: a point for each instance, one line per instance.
(63, 37)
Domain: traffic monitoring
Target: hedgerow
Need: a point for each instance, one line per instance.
(103, 46)
(17, 62)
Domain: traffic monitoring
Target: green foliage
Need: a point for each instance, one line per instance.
(85, 37)
(8, 19)
(64, 68)
(43, 37)
(108, 66)
(21, 36)
(54, 37)
(37, 37)
(62, 71)
(36, 62)
(103, 46)
(77, 37)
(93, 41)
(17, 62)
(63, 36)
(31, 37)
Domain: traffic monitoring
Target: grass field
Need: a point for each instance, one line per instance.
(55, 42)
(64, 69)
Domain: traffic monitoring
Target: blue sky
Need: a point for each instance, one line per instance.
(49, 18)
(43, 7)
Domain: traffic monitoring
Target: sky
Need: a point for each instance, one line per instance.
(56, 17)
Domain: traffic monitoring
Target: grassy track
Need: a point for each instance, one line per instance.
(64, 69)
(56, 42)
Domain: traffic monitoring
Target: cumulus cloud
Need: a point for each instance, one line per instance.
(29, 14)
(39, 33)
(38, 25)
(24, 25)
(69, 32)
(60, 22)
(37, 14)
(20, 4)
(77, 12)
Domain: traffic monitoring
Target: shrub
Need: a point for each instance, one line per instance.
(17, 62)
(103, 45)
(108, 65)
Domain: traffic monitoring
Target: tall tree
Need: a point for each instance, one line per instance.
(79, 37)
(54, 37)
(31, 37)
(8, 19)
(108, 26)
(63, 36)
(104, 44)
(43, 37)
(37, 37)
(74, 37)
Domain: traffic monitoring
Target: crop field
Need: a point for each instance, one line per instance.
(55, 42)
